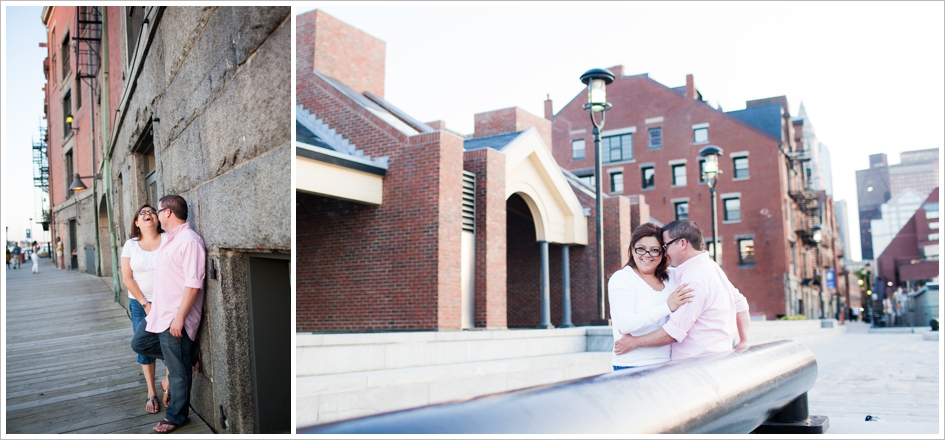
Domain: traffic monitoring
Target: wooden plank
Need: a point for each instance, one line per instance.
(69, 364)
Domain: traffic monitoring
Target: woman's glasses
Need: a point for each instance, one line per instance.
(653, 253)
(145, 212)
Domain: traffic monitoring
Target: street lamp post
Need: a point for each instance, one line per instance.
(596, 81)
(711, 170)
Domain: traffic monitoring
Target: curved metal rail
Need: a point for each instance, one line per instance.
(730, 393)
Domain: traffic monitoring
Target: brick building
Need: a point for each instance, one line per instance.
(406, 225)
(911, 258)
(767, 206)
(192, 101)
(876, 185)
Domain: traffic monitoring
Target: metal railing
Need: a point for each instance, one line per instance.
(762, 389)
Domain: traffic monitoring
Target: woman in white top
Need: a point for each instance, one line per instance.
(138, 263)
(642, 295)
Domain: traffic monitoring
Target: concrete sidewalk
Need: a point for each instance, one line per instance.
(69, 364)
(892, 376)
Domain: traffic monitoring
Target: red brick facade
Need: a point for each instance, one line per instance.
(340, 51)
(764, 194)
(397, 266)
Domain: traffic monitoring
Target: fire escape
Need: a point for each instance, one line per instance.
(809, 206)
(41, 180)
(88, 39)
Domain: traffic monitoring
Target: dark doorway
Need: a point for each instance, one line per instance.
(73, 245)
(270, 313)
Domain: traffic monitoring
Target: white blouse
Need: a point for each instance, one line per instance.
(143, 265)
(637, 309)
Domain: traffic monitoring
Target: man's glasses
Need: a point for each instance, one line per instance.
(145, 212)
(652, 252)
(666, 246)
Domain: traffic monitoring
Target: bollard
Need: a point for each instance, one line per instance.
(794, 418)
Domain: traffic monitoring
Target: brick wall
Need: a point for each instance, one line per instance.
(638, 98)
(510, 120)
(340, 51)
(490, 295)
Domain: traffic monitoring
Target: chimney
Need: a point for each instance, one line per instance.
(548, 109)
(511, 120)
(690, 87)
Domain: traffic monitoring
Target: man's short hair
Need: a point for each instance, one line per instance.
(175, 204)
(687, 229)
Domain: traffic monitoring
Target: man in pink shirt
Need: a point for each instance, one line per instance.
(170, 328)
(718, 311)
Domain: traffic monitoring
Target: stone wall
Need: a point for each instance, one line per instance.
(214, 90)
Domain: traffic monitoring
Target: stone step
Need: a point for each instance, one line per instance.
(327, 398)
(325, 354)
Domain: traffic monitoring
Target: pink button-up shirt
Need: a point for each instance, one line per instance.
(180, 263)
(707, 324)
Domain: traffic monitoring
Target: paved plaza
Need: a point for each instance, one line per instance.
(891, 375)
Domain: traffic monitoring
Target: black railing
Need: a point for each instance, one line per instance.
(762, 389)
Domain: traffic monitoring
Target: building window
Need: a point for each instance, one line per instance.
(931, 209)
(617, 148)
(70, 171)
(648, 177)
(679, 175)
(700, 135)
(588, 180)
(134, 21)
(741, 167)
(66, 112)
(930, 251)
(733, 207)
(64, 57)
(78, 94)
(616, 182)
(710, 248)
(656, 138)
(682, 210)
(933, 225)
(746, 251)
(933, 237)
(577, 149)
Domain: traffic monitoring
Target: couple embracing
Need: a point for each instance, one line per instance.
(162, 266)
(661, 312)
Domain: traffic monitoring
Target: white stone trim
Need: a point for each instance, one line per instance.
(655, 120)
(702, 125)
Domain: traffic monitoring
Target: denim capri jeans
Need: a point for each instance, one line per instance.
(137, 318)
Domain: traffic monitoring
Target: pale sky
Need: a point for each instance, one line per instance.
(871, 75)
(22, 112)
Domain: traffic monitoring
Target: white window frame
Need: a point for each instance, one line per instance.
(729, 196)
(695, 127)
(739, 155)
(583, 149)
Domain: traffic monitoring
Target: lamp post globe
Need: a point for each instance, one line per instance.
(596, 81)
(710, 155)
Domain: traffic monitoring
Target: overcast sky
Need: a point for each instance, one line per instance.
(871, 75)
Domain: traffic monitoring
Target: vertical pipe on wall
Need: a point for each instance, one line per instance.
(106, 160)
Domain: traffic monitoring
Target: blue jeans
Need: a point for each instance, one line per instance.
(178, 355)
(137, 317)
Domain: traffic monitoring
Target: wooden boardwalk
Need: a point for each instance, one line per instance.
(69, 364)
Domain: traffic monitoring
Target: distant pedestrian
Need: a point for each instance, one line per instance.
(17, 253)
(61, 261)
(35, 256)
(9, 256)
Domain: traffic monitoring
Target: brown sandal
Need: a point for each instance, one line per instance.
(152, 400)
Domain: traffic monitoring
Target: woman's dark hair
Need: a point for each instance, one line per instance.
(650, 230)
(135, 230)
